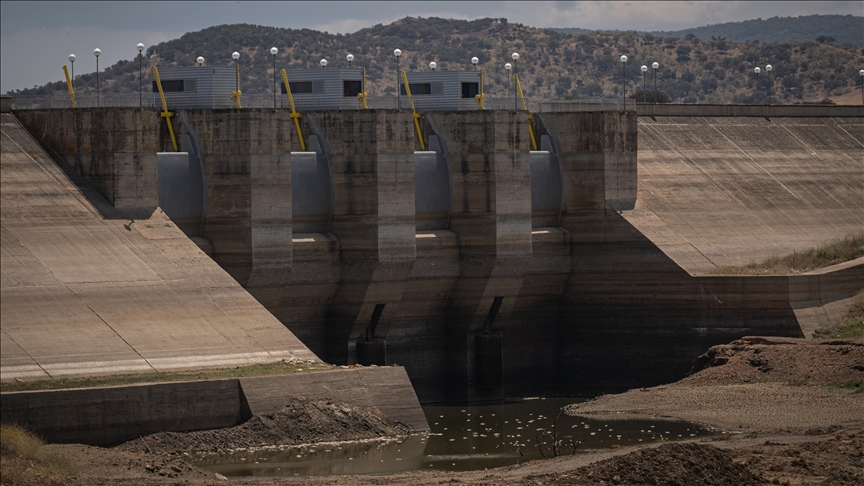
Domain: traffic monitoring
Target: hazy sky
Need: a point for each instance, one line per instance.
(36, 37)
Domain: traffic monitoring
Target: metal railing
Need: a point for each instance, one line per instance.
(266, 101)
(586, 105)
(82, 101)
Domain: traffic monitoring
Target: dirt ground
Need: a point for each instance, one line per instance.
(301, 421)
(794, 409)
(757, 384)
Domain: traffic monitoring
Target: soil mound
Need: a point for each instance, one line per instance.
(667, 465)
(836, 460)
(779, 360)
(301, 421)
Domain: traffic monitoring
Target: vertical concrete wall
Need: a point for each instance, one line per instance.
(373, 218)
(113, 149)
(247, 162)
(491, 215)
(111, 415)
(619, 151)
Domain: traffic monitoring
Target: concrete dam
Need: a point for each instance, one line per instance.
(485, 268)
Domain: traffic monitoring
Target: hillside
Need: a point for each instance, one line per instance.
(552, 65)
(844, 29)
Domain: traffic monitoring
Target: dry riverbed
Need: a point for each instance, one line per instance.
(793, 411)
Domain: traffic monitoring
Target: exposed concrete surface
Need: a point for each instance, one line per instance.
(720, 191)
(822, 297)
(386, 388)
(86, 291)
(110, 415)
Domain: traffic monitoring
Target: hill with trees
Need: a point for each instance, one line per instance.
(842, 29)
(552, 65)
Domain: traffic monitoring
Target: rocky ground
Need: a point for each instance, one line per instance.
(794, 407)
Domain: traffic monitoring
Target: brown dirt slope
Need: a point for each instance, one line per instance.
(778, 360)
(301, 421)
(758, 384)
(671, 464)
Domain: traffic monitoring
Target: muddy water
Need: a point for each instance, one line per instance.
(462, 438)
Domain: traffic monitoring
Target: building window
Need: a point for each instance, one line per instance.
(352, 88)
(170, 86)
(417, 88)
(470, 90)
(304, 87)
(298, 87)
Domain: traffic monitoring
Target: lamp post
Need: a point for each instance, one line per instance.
(861, 73)
(757, 71)
(350, 58)
(273, 52)
(769, 69)
(97, 52)
(72, 58)
(474, 61)
(644, 69)
(656, 66)
(398, 54)
(200, 61)
(236, 56)
(323, 63)
(432, 65)
(140, 48)
(515, 57)
(624, 79)
(508, 67)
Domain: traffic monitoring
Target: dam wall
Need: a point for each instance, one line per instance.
(606, 297)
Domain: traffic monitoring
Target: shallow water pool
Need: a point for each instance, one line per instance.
(462, 438)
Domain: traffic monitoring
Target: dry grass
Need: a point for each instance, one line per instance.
(847, 249)
(851, 326)
(24, 460)
(277, 368)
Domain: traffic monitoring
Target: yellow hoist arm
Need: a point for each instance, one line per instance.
(530, 116)
(361, 97)
(294, 114)
(417, 116)
(479, 98)
(69, 85)
(165, 113)
(235, 95)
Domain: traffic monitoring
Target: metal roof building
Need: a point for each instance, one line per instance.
(442, 90)
(196, 87)
(323, 89)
